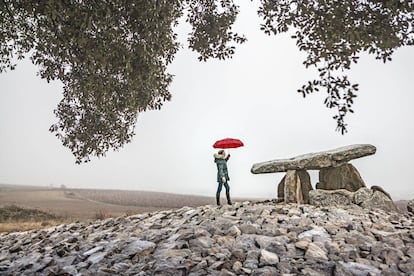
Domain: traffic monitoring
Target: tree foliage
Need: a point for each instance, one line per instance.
(112, 55)
(334, 33)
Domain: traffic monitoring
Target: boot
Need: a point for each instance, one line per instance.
(218, 199)
(228, 198)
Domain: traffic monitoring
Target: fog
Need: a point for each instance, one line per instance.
(251, 97)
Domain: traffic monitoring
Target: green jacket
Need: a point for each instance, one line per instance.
(221, 162)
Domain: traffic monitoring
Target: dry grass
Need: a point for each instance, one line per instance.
(14, 218)
(26, 226)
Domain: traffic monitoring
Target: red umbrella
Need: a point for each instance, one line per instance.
(228, 143)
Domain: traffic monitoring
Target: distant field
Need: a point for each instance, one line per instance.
(67, 205)
(86, 203)
(142, 199)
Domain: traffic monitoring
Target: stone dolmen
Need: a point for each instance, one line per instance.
(339, 181)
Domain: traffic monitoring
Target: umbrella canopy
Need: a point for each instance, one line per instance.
(228, 143)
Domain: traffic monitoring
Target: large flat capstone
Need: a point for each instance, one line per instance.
(315, 161)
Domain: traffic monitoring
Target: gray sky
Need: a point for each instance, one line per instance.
(251, 97)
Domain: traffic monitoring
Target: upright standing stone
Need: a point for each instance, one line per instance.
(281, 190)
(292, 182)
(305, 186)
(343, 177)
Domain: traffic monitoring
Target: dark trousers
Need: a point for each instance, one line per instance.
(220, 187)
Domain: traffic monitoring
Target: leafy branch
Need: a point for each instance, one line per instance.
(334, 33)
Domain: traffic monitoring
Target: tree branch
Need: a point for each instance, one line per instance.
(8, 10)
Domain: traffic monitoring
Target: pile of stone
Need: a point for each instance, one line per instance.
(246, 238)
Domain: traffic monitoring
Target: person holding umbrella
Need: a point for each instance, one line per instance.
(221, 159)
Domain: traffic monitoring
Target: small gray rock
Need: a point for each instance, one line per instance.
(268, 258)
(352, 268)
(139, 247)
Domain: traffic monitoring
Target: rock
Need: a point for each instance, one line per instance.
(310, 272)
(362, 195)
(320, 197)
(15, 248)
(315, 161)
(345, 177)
(234, 231)
(316, 252)
(352, 268)
(139, 247)
(410, 206)
(273, 244)
(96, 257)
(380, 189)
(248, 228)
(407, 267)
(70, 270)
(281, 190)
(305, 187)
(238, 254)
(204, 242)
(237, 266)
(93, 250)
(293, 188)
(264, 271)
(245, 242)
(303, 244)
(268, 258)
(66, 261)
(225, 272)
(121, 267)
(252, 259)
(381, 201)
(318, 234)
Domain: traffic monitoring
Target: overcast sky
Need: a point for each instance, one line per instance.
(251, 97)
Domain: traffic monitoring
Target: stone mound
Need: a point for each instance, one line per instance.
(246, 238)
